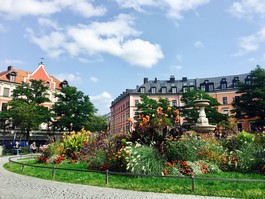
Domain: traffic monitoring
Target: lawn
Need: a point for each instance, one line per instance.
(154, 184)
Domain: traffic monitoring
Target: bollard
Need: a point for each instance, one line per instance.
(192, 183)
(53, 172)
(22, 167)
(107, 176)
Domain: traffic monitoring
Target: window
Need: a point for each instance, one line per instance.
(224, 86)
(211, 87)
(48, 84)
(163, 89)
(142, 90)
(225, 101)
(12, 78)
(153, 90)
(203, 87)
(4, 106)
(225, 111)
(185, 89)
(235, 82)
(6, 92)
(236, 99)
(174, 102)
(248, 80)
(136, 102)
(174, 90)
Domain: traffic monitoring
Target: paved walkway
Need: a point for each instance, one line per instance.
(15, 186)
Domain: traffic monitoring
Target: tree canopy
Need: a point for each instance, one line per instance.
(251, 102)
(72, 110)
(26, 111)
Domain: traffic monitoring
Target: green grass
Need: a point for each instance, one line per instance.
(163, 185)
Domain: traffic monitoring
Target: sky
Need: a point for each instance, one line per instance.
(104, 47)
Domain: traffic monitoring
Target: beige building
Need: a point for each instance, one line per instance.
(222, 88)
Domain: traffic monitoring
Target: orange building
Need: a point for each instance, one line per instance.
(222, 88)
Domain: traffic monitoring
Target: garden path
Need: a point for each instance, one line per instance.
(15, 186)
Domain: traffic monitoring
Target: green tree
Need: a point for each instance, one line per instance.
(251, 102)
(190, 111)
(96, 123)
(72, 110)
(156, 120)
(26, 111)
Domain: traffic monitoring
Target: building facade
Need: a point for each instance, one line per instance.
(11, 78)
(222, 88)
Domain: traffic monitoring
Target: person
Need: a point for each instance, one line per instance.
(17, 148)
(33, 147)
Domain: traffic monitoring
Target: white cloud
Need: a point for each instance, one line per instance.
(102, 102)
(93, 79)
(173, 8)
(114, 37)
(87, 9)
(18, 8)
(251, 43)
(248, 9)
(48, 23)
(198, 44)
(73, 79)
(9, 62)
(141, 53)
(136, 4)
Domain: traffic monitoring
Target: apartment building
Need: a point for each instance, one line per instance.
(222, 88)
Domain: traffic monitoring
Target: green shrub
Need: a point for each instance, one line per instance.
(145, 160)
(184, 148)
(245, 138)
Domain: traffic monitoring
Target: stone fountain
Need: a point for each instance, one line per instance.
(202, 124)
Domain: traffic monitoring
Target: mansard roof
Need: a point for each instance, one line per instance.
(179, 85)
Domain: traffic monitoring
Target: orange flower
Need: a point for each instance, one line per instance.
(177, 118)
(168, 109)
(159, 109)
(176, 111)
(129, 119)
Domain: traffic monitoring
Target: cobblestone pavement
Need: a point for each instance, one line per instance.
(15, 186)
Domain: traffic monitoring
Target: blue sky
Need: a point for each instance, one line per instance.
(104, 47)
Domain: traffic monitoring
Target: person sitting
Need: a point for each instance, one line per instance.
(33, 147)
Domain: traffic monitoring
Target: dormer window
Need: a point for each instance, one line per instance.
(203, 87)
(211, 86)
(153, 90)
(48, 84)
(174, 90)
(248, 80)
(142, 90)
(12, 76)
(223, 84)
(235, 82)
(64, 84)
(163, 89)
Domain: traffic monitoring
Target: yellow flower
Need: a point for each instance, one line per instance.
(168, 109)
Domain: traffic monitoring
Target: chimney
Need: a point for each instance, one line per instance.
(172, 79)
(145, 80)
(10, 68)
(155, 80)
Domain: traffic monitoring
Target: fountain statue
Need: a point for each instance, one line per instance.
(202, 124)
